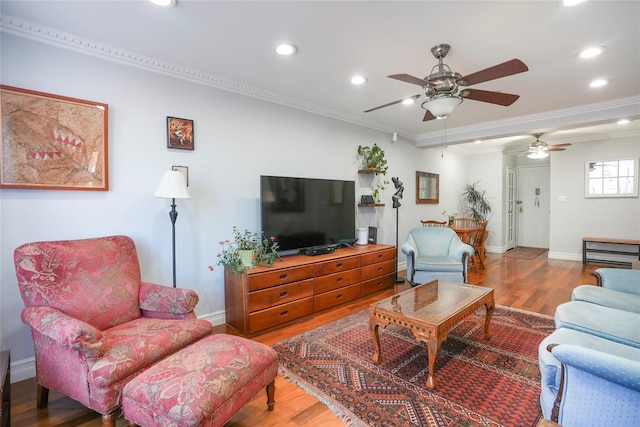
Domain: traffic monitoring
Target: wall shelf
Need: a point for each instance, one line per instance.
(370, 205)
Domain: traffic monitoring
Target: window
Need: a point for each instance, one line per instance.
(611, 178)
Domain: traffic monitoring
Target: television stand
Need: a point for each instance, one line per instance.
(268, 297)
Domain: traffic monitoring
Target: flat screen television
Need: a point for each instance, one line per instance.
(307, 212)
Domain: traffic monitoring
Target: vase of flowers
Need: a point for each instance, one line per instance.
(246, 250)
(450, 216)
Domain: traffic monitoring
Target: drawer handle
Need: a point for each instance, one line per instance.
(380, 284)
(284, 276)
(379, 256)
(339, 296)
(339, 279)
(380, 269)
(339, 265)
(284, 313)
(284, 294)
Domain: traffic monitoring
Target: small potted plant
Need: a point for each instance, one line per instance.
(450, 216)
(246, 250)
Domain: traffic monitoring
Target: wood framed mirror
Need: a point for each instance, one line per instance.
(427, 188)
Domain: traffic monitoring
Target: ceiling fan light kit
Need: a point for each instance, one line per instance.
(442, 106)
(442, 85)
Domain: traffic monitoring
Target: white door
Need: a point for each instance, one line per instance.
(533, 206)
(510, 214)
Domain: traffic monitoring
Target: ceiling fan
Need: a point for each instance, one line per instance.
(540, 149)
(445, 89)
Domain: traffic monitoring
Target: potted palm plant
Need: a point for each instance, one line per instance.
(475, 200)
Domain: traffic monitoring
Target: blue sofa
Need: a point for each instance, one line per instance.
(590, 365)
(435, 253)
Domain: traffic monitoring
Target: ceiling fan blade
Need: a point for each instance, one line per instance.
(391, 103)
(498, 98)
(428, 116)
(409, 79)
(558, 147)
(505, 69)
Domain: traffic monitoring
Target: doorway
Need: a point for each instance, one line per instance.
(533, 206)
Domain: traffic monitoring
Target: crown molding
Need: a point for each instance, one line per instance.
(25, 29)
(575, 116)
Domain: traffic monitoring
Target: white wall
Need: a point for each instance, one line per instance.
(580, 217)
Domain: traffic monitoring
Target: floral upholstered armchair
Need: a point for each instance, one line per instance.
(95, 324)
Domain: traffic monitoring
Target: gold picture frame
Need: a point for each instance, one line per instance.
(52, 142)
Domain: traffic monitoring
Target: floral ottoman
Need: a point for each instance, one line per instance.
(204, 384)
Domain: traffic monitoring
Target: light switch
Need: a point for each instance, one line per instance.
(562, 199)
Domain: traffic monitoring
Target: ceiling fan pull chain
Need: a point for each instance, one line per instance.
(444, 137)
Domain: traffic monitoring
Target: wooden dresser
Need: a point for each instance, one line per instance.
(267, 297)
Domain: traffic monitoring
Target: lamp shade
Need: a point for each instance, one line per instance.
(173, 186)
(443, 106)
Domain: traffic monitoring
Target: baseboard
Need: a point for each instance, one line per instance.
(23, 369)
(565, 256)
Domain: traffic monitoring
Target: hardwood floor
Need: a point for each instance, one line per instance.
(538, 285)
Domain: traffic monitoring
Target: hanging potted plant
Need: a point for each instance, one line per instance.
(372, 160)
(475, 200)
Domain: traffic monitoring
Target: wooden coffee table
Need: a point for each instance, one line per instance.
(430, 311)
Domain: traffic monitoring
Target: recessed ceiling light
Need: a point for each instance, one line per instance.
(477, 141)
(571, 2)
(624, 121)
(591, 52)
(358, 80)
(165, 3)
(286, 49)
(408, 101)
(598, 83)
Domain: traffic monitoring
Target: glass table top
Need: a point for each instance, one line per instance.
(433, 302)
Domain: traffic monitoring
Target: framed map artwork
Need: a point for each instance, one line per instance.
(52, 142)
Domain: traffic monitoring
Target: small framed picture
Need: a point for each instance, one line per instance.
(180, 133)
(184, 170)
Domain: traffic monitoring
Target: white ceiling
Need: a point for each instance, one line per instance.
(229, 44)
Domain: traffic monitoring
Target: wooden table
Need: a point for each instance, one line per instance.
(430, 311)
(464, 231)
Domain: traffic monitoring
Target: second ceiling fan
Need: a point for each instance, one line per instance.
(445, 89)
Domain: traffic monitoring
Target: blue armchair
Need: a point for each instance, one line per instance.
(598, 389)
(435, 253)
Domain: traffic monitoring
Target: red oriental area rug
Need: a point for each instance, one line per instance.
(479, 382)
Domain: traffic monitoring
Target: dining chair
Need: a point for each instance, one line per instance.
(433, 223)
(464, 221)
(477, 241)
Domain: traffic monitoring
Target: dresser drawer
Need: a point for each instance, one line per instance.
(378, 256)
(337, 265)
(374, 285)
(336, 280)
(334, 298)
(283, 313)
(379, 269)
(266, 298)
(279, 277)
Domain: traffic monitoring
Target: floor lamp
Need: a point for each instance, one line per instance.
(396, 204)
(173, 186)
